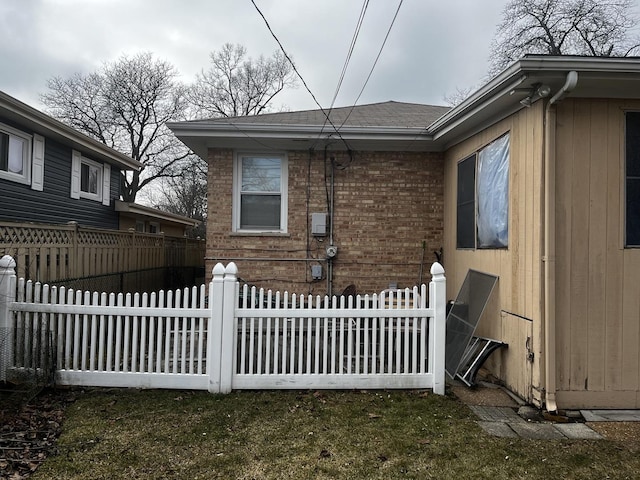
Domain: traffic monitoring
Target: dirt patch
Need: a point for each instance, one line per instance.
(484, 396)
(627, 434)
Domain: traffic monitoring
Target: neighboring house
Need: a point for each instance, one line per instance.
(534, 178)
(60, 214)
(144, 219)
(50, 173)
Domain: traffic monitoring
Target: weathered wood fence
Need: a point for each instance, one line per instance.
(228, 337)
(54, 253)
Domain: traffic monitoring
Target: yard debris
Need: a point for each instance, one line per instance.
(374, 415)
(325, 453)
(28, 435)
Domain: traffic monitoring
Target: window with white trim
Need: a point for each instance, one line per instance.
(15, 155)
(260, 193)
(90, 179)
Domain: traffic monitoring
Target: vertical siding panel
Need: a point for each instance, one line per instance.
(580, 246)
(614, 265)
(528, 219)
(516, 204)
(564, 176)
(630, 326)
(597, 246)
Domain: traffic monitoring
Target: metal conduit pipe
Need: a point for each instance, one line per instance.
(549, 256)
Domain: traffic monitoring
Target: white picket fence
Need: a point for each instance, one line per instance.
(225, 336)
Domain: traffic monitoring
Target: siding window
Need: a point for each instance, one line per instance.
(465, 223)
(632, 179)
(15, 154)
(483, 197)
(260, 193)
(90, 179)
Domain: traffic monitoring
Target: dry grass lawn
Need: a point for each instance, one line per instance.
(301, 435)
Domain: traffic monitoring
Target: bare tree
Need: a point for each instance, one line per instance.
(186, 195)
(126, 105)
(457, 97)
(564, 27)
(235, 85)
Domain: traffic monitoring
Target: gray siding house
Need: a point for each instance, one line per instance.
(50, 173)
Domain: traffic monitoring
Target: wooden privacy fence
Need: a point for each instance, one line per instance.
(49, 253)
(225, 336)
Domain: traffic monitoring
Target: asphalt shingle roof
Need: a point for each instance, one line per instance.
(385, 114)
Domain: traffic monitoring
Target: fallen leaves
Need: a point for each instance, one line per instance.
(29, 434)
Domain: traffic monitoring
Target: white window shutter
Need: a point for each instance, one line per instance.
(75, 173)
(106, 184)
(37, 163)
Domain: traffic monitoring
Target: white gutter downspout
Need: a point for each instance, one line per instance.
(549, 257)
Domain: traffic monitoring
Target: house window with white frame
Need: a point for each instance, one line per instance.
(15, 155)
(90, 179)
(260, 193)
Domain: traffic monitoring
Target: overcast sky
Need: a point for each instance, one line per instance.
(434, 47)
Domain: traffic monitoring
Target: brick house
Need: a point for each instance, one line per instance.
(284, 187)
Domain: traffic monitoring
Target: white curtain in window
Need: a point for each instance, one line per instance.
(493, 194)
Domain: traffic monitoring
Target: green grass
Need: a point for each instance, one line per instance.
(298, 435)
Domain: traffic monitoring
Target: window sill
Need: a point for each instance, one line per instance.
(260, 234)
(14, 177)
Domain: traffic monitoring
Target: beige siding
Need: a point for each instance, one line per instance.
(515, 317)
(598, 281)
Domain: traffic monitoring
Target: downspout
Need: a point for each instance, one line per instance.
(549, 256)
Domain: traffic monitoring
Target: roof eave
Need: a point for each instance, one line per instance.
(202, 136)
(43, 123)
(137, 209)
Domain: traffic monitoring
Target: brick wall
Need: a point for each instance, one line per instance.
(386, 205)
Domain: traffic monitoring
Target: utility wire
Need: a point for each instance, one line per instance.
(374, 63)
(299, 75)
(363, 11)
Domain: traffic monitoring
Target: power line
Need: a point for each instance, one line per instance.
(374, 63)
(363, 11)
(299, 75)
(356, 33)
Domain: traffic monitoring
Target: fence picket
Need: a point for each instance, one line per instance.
(110, 366)
(390, 340)
(143, 333)
(152, 333)
(201, 331)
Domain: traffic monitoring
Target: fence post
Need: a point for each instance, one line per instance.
(7, 296)
(214, 329)
(228, 338)
(437, 301)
